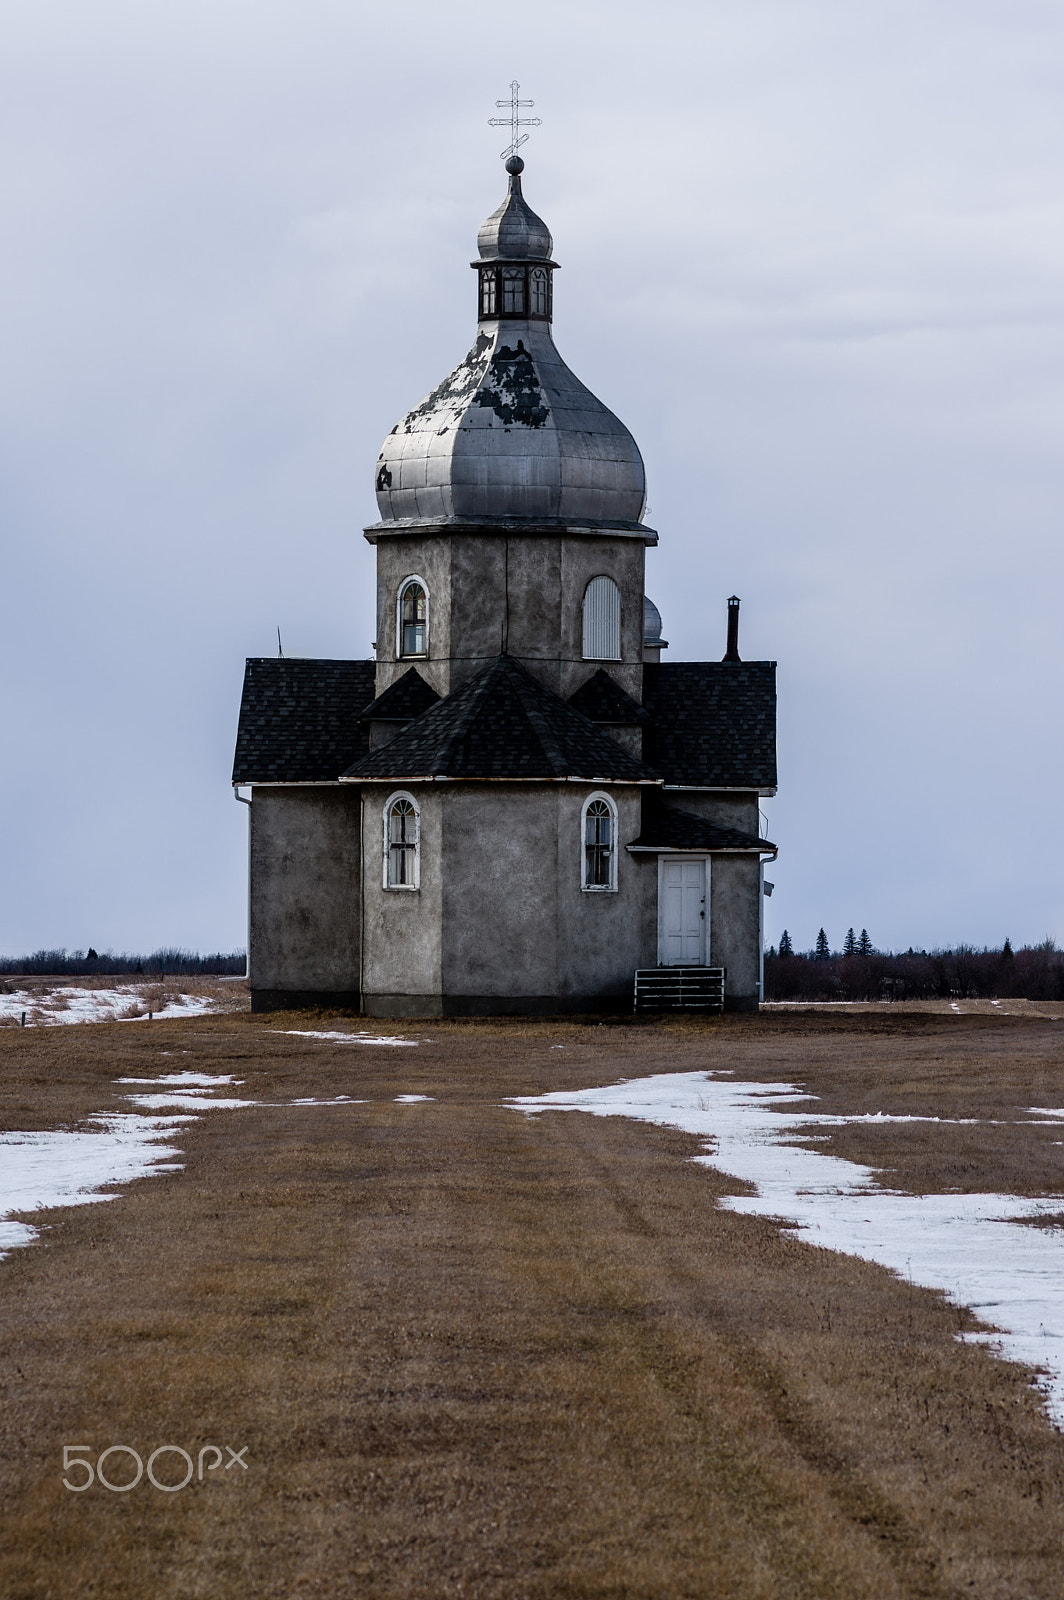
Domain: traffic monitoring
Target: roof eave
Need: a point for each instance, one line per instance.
(720, 788)
(439, 777)
(764, 849)
(589, 529)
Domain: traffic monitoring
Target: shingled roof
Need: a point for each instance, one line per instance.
(706, 724)
(668, 828)
(713, 723)
(601, 699)
(407, 698)
(502, 723)
(299, 719)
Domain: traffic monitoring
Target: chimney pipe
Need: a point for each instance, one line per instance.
(732, 652)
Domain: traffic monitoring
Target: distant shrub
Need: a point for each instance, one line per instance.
(84, 964)
(1035, 972)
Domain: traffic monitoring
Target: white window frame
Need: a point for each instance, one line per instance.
(588, 654)
(400, 653)
(386, 835)
(599, 888)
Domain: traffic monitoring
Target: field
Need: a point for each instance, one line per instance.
(472, 1352)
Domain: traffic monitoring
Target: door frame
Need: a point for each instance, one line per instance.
(703, 860)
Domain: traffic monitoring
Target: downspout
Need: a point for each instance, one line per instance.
(362, 901)
(761, 931)
(246, 801)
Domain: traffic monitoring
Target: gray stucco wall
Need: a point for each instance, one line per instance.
(726, 810)
(303, 926)
(735, 926)
(501, 921)
(403, 927)
(470, 576)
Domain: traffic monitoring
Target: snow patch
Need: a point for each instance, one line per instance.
(68, 1003)
(201, 1080)
(347, 1038)
(70, 1168)
(965, 1244)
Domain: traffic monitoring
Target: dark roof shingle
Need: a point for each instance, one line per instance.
(601, 699)
(502, 723)
(407, 698)
(299, 719)
(713, 723)
(667, 828)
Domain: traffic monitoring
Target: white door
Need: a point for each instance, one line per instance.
(682, 907)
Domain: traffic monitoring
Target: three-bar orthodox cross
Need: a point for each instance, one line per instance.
(515, 121)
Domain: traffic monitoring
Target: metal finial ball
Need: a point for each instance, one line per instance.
(515, 166)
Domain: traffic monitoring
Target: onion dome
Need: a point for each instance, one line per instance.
(652, 625)
(513, 232)
(511, 437)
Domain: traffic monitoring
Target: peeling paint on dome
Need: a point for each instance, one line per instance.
(512, 388)
(455, 392)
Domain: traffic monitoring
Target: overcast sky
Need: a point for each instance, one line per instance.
(812, 255)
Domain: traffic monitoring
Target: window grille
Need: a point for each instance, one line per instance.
(488, 293)
(413, 621)
(513, 290)
(598, 845)
(539, 284)
(402, 843)
(602, 621)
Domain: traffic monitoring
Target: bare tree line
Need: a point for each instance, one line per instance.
(87, 963)
(1034, 972)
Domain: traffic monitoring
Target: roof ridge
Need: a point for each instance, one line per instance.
(528, 691)
(477, 686)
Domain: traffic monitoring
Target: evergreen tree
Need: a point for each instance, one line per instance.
(864, 944)
(823, 949)
(1006, 949)
(849, 944)
(786, 947)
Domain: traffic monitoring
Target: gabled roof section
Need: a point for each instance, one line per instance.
(503, 724)
(601, 699)
(299, 719)
(406, 699)
(714, 723)
(667, 828)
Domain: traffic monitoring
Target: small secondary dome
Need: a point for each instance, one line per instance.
(511, 435)
(651, 623)
(513, 231)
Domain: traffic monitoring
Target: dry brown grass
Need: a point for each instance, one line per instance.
(482, 1355)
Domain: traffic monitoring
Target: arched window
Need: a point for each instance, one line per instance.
(488, 292)
(602, 621)
(598, 832)
(412, 624)
(402, 830)
(513, 290)
(539, 285)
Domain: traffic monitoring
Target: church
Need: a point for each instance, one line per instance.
(518, 806)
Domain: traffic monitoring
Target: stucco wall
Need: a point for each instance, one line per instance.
(304, 909)
(404, 556)
(500, 920)
(726, 810)
(735, 925)
(401, 969)
(516, 921)
(469, 577)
